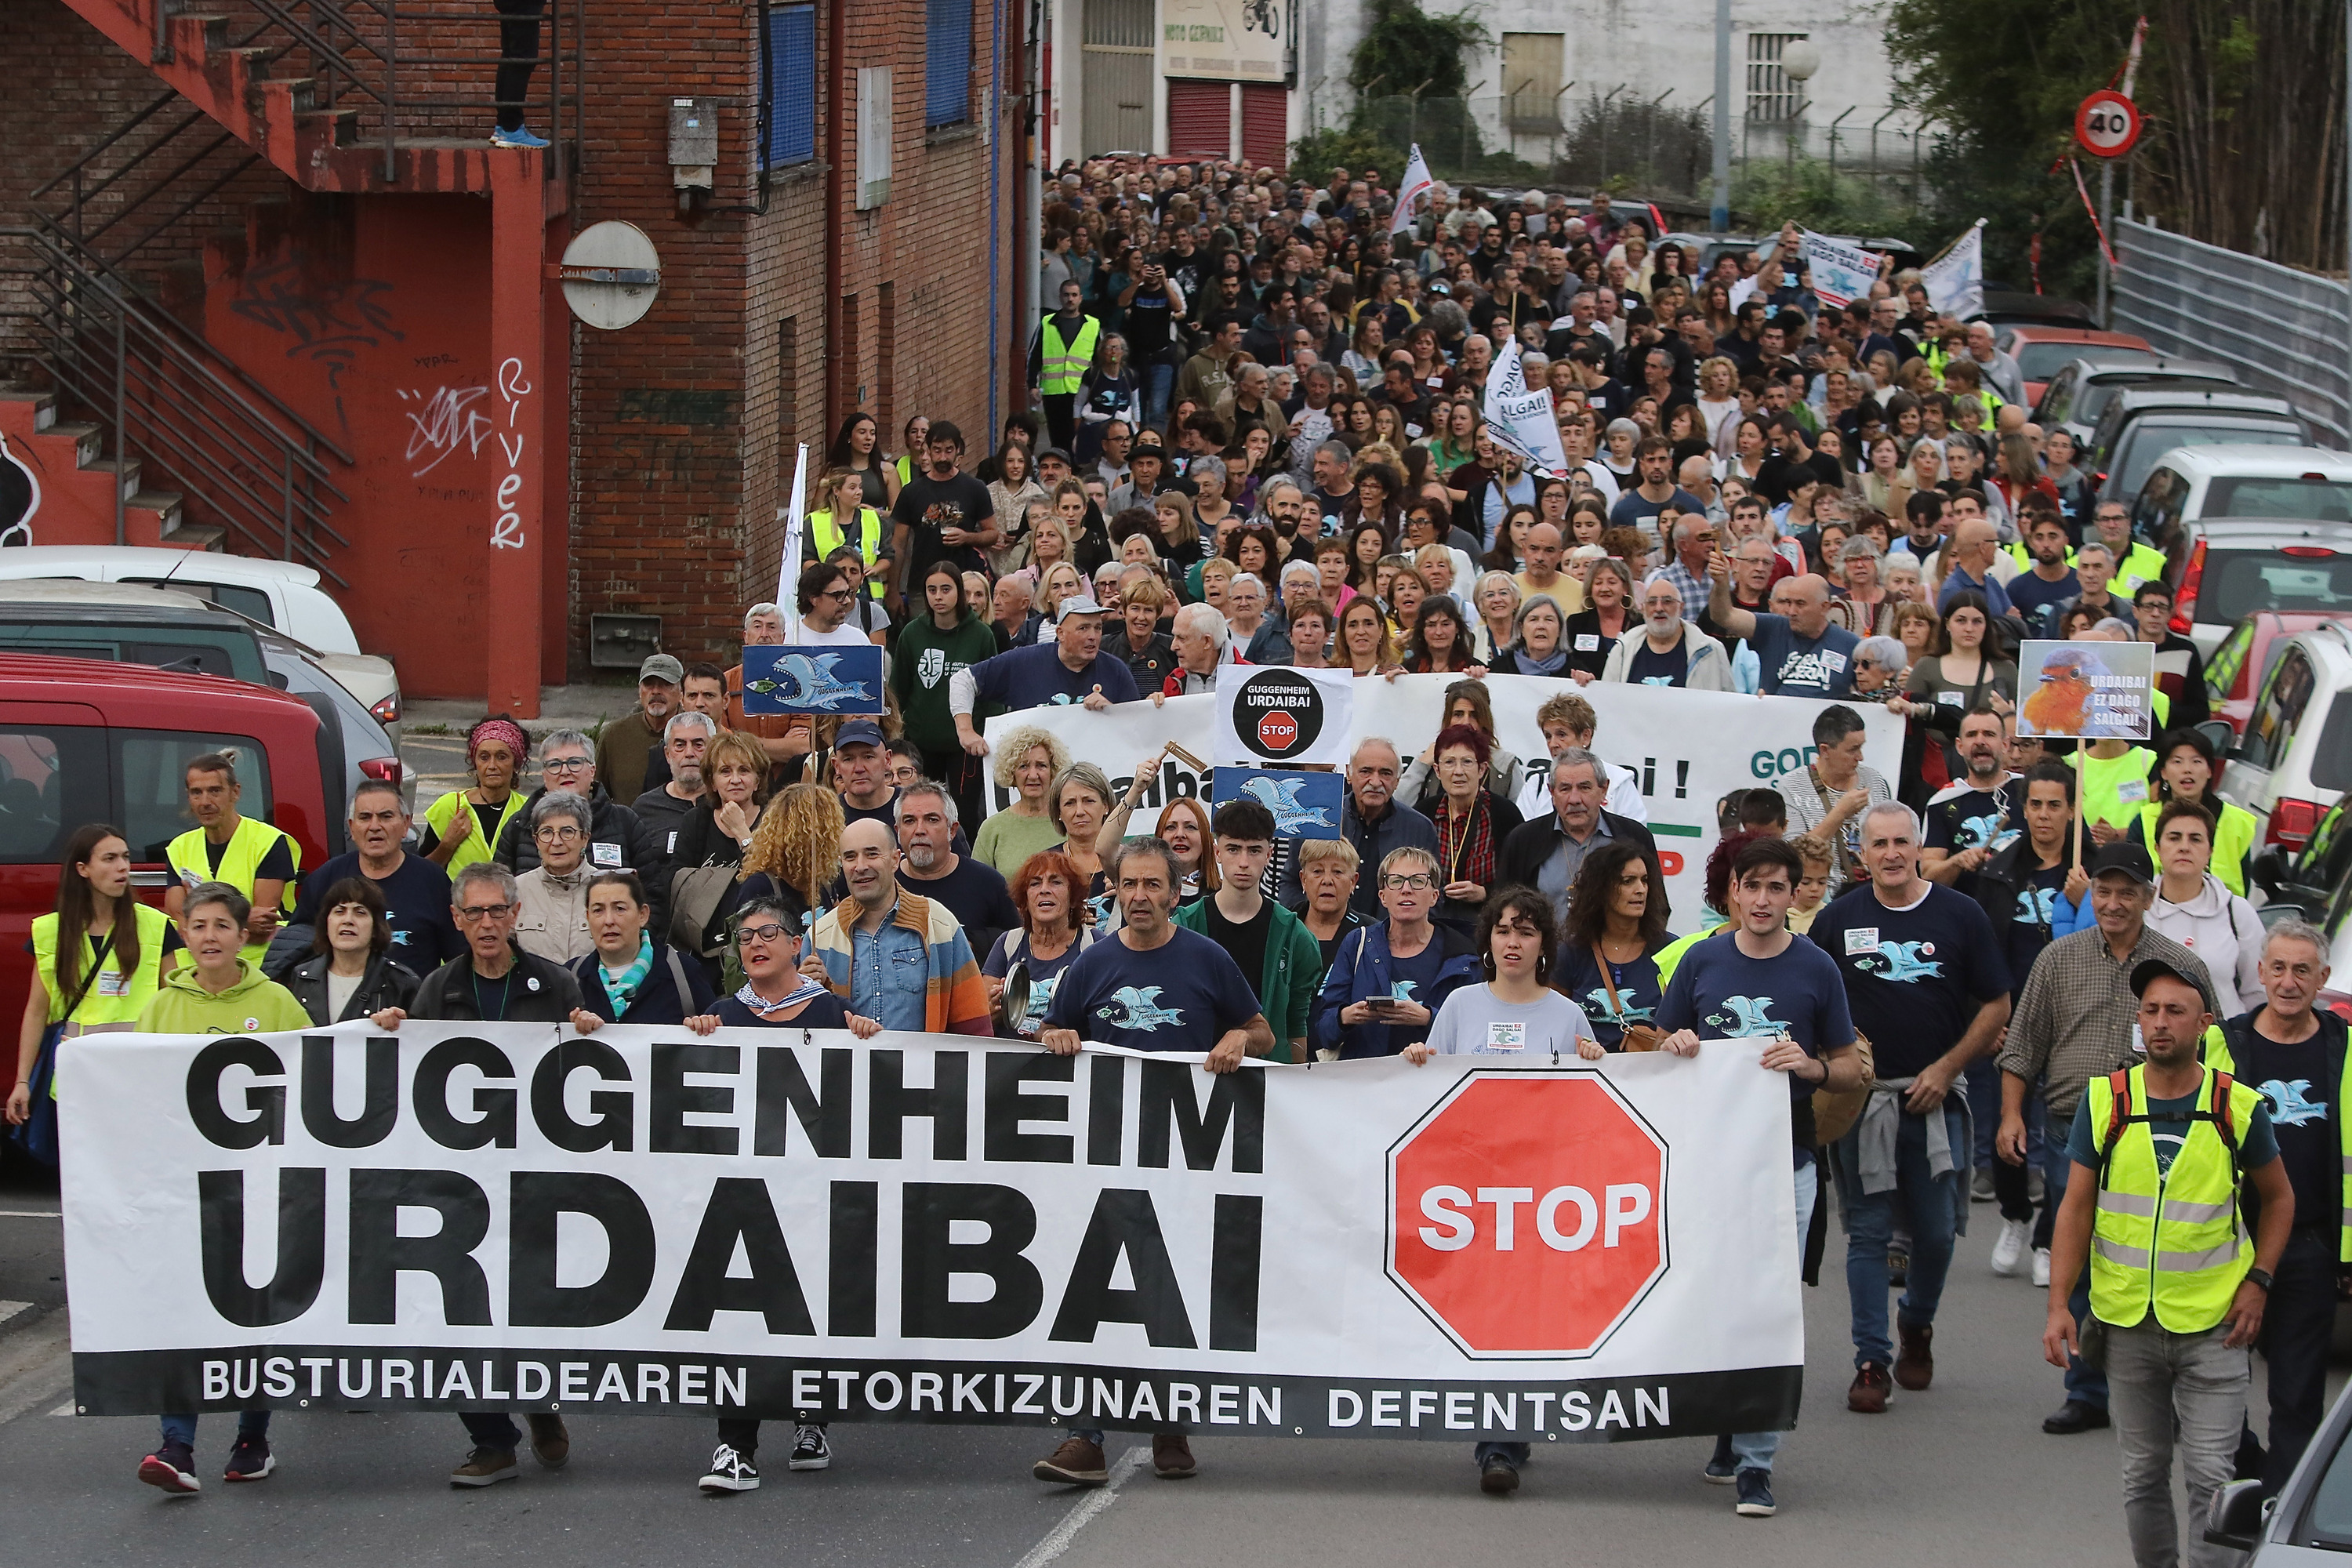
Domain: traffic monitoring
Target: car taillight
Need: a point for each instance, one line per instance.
(2184, 603)
(386, 769)
(388, 711)
(2307, 551)
(2291, 822)
(2337, 1003)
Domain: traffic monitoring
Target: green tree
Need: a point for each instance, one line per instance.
(1403, 44)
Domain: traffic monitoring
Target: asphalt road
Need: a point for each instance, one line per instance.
(1962, 1472)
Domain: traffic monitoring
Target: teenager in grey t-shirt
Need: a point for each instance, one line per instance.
(1474, 1021)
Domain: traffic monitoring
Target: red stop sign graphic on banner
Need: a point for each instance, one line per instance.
(1527, 1212)
(1277, 733)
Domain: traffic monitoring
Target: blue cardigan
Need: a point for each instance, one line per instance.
(1360, 970)
(658, 1001)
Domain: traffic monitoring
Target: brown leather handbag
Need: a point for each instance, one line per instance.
(1637, 1036)
(1835, 1114)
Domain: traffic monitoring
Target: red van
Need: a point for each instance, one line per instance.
(85, 742)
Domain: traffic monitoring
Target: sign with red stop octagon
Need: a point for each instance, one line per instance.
(1527, 1212)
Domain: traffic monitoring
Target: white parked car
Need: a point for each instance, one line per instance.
(279, 594)
(2295, 759)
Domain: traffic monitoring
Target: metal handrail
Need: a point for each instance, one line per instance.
(245, 463)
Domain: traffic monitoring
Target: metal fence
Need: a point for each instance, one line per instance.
(2286, 332)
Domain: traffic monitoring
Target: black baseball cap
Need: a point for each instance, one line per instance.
(2148, 970)
(2128, 858)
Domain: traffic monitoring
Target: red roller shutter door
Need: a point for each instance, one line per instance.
(1265, 123)
(1200, 119)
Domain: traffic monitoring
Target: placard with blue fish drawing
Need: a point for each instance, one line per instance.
(817, 681)
(1305, 805)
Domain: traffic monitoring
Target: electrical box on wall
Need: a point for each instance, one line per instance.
(693, 144)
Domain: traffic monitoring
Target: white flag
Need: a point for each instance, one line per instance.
(1417, 185)
(1955, 281)
(788, 566)
(1521, 419)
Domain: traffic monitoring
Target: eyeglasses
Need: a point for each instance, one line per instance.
(1418, 882)
(556, 835)
(837, 593)
(471, 913)
(771, 931)
(565, 764)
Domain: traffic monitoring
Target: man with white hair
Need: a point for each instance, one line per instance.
(1204, 641)
(1666, 649)
(1372, 821)
(784, 739)
(1925, 984)
(2000, 371)
(1800, 654)
(664, 808)
(1694, 541)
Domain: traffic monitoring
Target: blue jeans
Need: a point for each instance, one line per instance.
(1159, 381)
(182, 1428)
(1754, 1450)
(2085, 1384)
(1921, 1203)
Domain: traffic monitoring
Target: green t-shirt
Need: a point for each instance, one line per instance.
(1006, 840)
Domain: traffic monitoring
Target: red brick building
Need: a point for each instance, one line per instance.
(265, 284)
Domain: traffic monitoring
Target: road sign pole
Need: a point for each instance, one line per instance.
(1719, 207)
(2107, 225)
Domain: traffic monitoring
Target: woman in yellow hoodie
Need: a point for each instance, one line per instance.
(219, 993)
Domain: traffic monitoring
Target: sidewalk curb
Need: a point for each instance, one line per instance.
(36, 1360)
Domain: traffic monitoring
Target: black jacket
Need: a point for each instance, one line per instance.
(387, 983)
(543, 992)
(1999, 880)
(659, 1000)
(1531, 844)
(1152, 667)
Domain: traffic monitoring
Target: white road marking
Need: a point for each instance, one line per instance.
(1081, 1513)
(31, 1214)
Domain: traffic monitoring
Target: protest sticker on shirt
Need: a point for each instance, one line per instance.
(1273, 715)
(812, 681)
(2085, 690)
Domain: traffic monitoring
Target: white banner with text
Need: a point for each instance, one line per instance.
(1687, 748)
(923, 1229)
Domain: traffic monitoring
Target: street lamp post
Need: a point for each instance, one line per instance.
(1719, 207)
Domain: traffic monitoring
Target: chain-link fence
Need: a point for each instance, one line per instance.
(1851, 171)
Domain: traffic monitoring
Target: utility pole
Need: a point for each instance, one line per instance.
(1719, 208)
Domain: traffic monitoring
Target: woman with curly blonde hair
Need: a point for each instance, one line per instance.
(794, 858)
(1026, 761)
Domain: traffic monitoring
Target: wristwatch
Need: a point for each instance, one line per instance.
(2260, 1277)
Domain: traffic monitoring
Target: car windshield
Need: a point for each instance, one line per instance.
(2239, 582)
(2147, 439)
(2101, 387)
(2041, 361)
(2294, 495)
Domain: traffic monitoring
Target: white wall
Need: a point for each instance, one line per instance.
(1647, 47)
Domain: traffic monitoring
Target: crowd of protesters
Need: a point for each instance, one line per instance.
(1988, 977)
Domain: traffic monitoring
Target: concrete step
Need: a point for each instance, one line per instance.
(89, 439)
(44, 404)
(339, 126)
(125, 472)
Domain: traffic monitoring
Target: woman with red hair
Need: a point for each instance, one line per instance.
(1471, 824)
(1028, 961)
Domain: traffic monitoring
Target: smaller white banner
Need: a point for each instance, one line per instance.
(1521, 419)
(1272, 716)
(1955, 281)
(1417, 185)
(1841, 274)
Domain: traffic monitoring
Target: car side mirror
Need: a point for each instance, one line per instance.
(2217, 731)
(2236, 1518)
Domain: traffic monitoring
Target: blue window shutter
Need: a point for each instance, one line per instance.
(791, 85)
(946, 62)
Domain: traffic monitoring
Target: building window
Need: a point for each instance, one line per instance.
(1771, 96)
(791, 95)
(946, 62)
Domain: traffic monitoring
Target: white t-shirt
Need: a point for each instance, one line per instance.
(339, 989)
(1474, 1021)
(845, 635)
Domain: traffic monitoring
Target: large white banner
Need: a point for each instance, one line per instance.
(1687, 748)
(926, 1228)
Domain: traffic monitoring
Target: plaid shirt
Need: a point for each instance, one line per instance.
(1691, 586)
(2076, 1016)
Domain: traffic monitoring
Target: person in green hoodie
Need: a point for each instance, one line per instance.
(1273, 946)
(932, 648)
(219, 992)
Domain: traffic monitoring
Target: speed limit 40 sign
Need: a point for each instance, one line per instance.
(2107, 124)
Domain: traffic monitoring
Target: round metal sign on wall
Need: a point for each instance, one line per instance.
(611, 274)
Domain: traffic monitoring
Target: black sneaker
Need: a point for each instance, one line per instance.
(1723, 1468)
(1754, 1494)
(173, 1469)
(250, 1460)
(1498, 1477)
(731, 1472)
(810, 1450)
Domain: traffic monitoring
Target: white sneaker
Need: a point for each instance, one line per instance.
(2009, 1250)
(2041, 1267)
